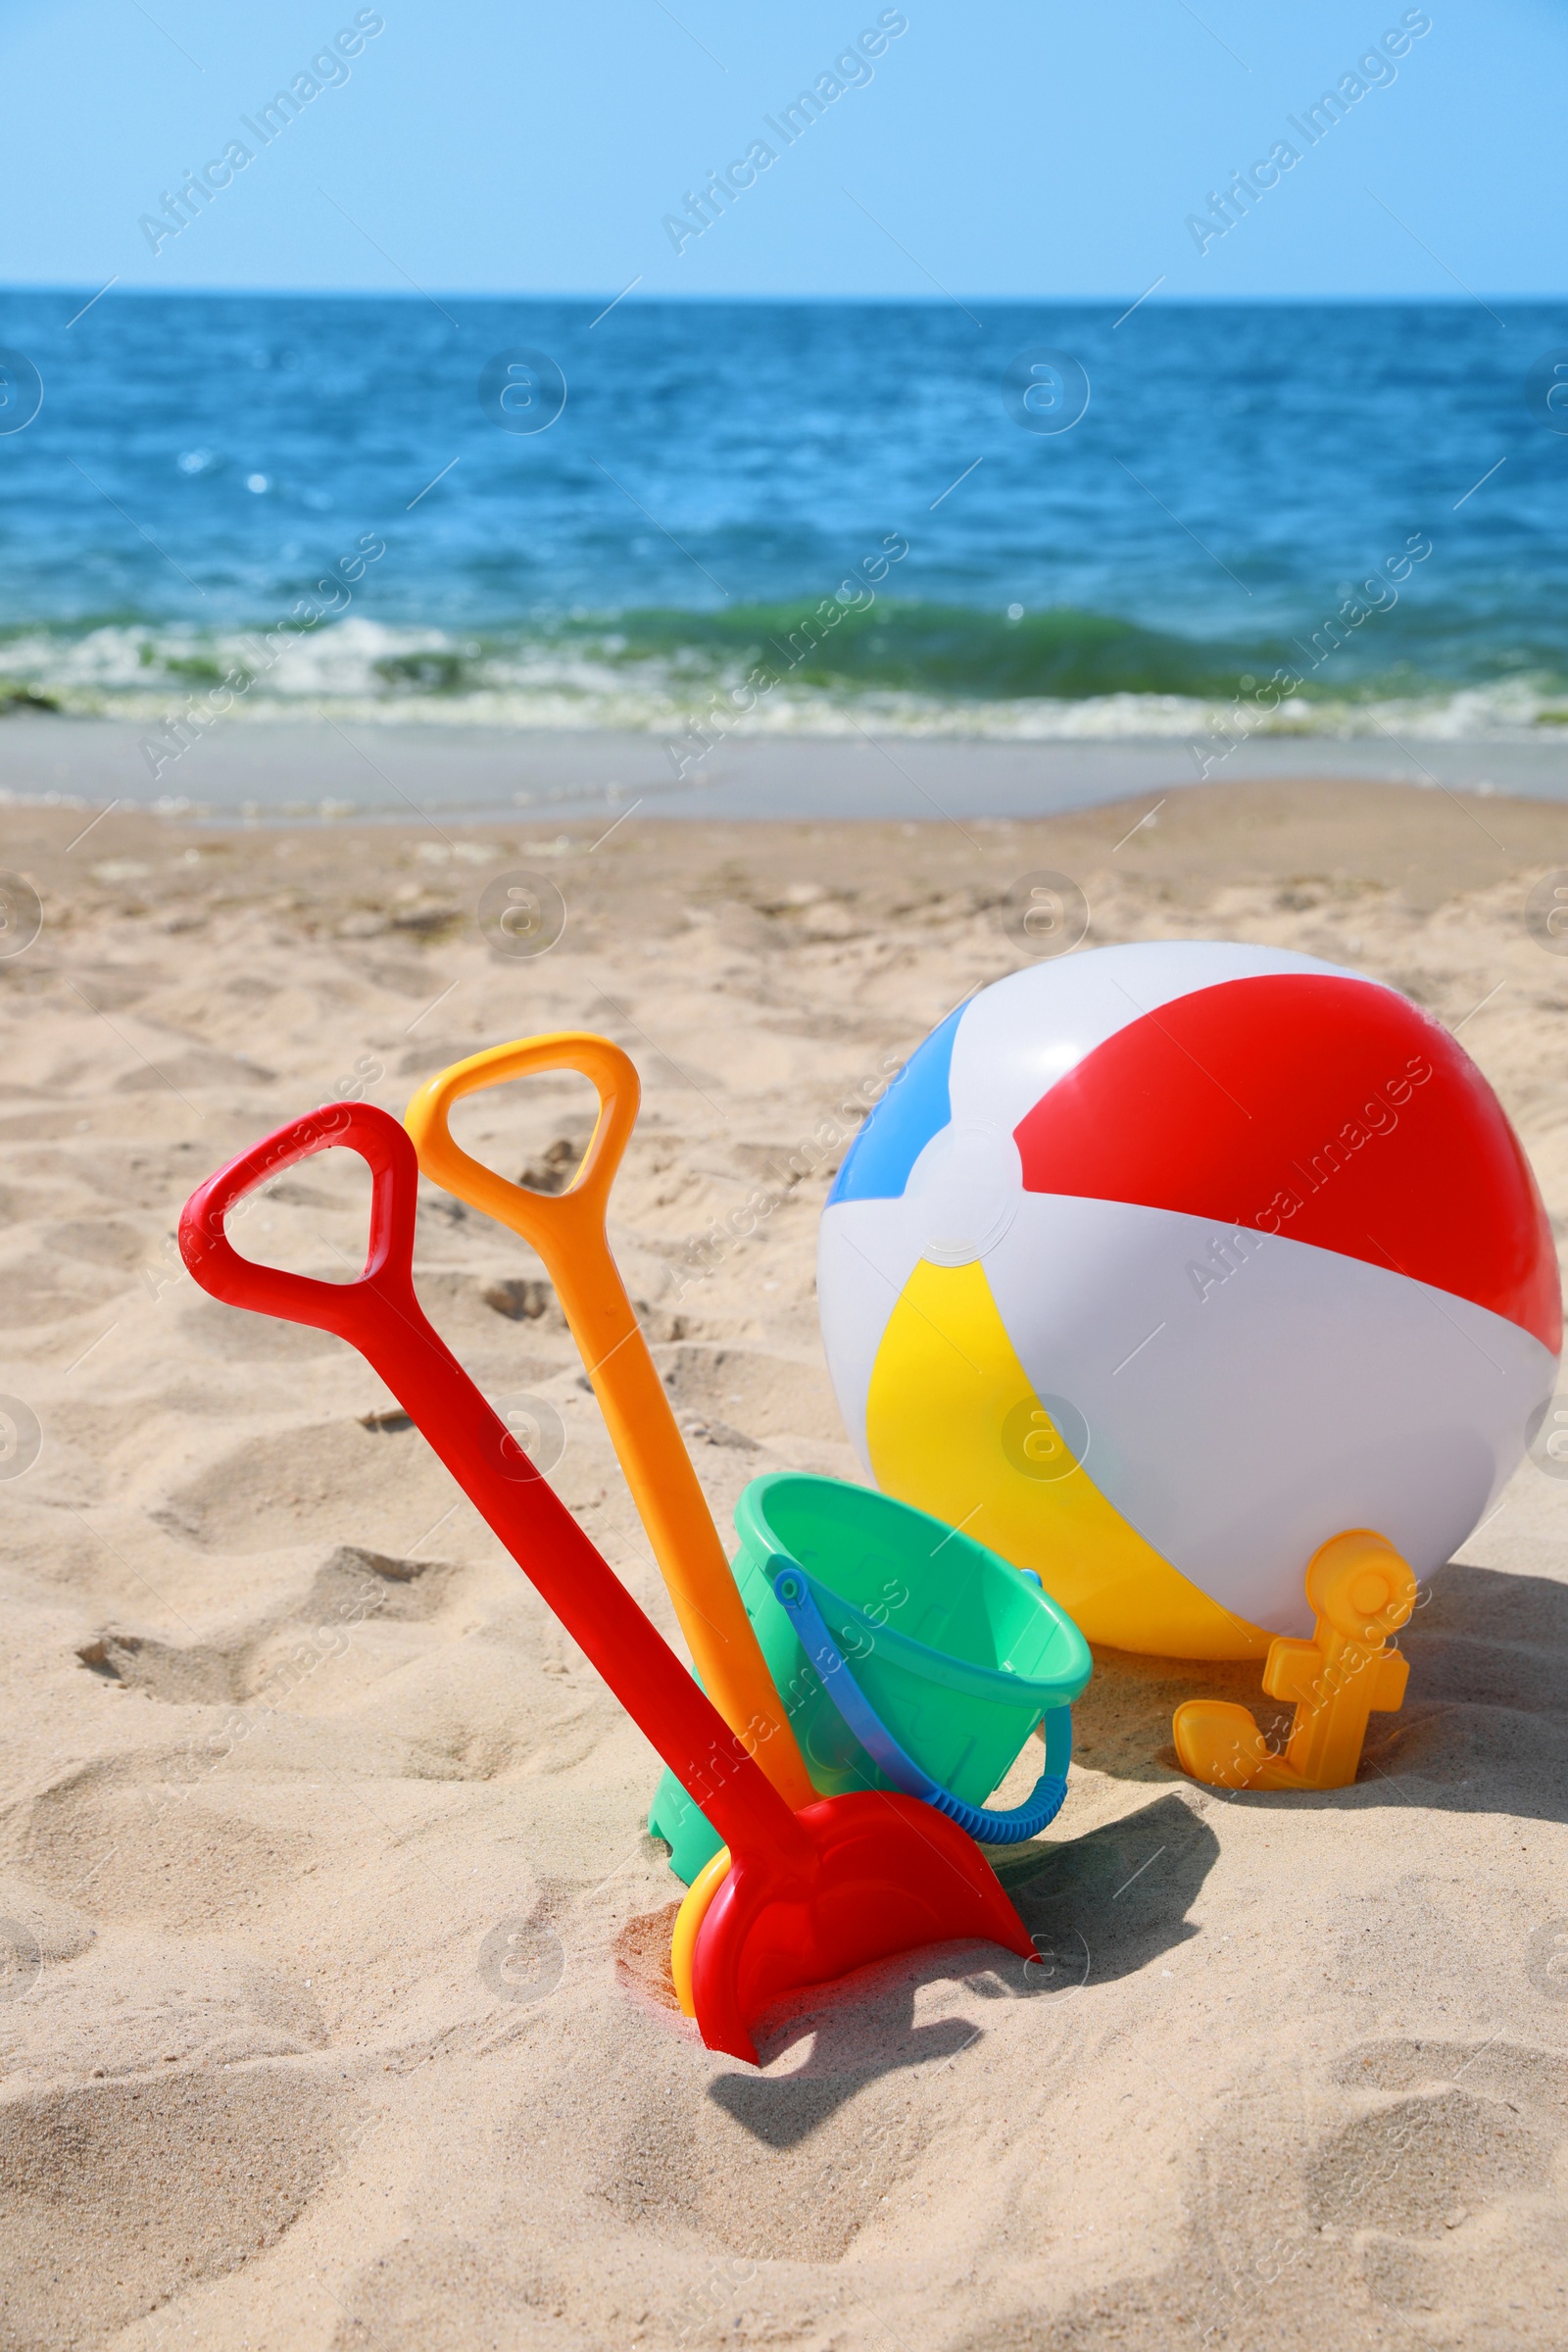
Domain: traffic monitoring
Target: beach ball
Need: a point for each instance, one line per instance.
(1158, 1265)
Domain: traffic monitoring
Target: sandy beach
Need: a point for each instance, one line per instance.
(333, 2004)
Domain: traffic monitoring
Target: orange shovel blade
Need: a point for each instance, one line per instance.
(884, 1874)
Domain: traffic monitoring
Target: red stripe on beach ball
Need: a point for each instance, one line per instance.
(1332, 1112)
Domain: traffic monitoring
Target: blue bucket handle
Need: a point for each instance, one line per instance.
(1004, 1826)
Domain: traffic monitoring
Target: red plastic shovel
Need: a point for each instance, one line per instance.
(809, 1896)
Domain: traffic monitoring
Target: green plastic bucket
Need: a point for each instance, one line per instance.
(958, 1652)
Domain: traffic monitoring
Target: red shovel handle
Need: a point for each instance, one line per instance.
(347, 1308)
(383, 1318)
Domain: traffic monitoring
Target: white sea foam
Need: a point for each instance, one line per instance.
(373, 673)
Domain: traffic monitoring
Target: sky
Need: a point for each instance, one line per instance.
(1031, 148)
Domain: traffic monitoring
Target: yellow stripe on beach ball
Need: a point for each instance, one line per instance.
(953, 1427)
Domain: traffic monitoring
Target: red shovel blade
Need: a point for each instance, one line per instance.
(884, 1874)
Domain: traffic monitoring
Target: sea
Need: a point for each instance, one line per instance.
(705, 521)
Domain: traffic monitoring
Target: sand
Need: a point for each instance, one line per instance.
(332, 1996)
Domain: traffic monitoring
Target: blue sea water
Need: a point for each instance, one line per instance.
(335, 505)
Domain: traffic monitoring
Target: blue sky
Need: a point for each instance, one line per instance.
(1031, 148)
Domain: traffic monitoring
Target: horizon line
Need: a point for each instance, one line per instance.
(1176, 301)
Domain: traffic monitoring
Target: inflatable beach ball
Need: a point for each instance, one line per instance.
(1159, 1265)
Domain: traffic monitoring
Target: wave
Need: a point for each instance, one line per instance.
(789, 668)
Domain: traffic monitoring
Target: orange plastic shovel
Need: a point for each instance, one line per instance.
(567, 1232)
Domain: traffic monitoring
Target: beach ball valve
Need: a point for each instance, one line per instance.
(1164, 1269)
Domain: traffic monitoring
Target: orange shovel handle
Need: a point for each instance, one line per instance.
(567, 1230)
